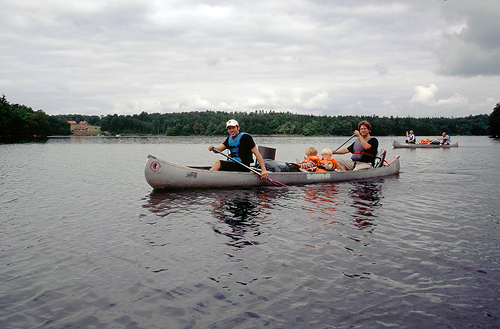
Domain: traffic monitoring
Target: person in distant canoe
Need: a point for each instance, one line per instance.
(410, 138)
(363, 150)
(242, 147)
(446, 139)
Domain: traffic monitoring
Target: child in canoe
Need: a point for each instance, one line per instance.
(311, 162)
(327, 163)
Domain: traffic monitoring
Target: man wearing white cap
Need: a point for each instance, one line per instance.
(242, 147)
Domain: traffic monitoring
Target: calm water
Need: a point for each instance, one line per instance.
(86, 243)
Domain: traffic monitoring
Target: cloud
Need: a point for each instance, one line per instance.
(425, 95)
(305, 56)
(381, 69)
(475, 48)
(453, 100)
(426, 102)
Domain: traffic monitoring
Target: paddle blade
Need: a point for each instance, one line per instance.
(276, 183)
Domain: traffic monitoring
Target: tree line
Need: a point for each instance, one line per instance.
(20, 122)
(210, 123)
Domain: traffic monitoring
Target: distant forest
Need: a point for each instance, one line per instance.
(209, 123)
(19, 122)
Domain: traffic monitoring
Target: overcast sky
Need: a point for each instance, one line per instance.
(422, 58)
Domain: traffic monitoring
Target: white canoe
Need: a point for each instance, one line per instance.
(398, 145)
(162, 174)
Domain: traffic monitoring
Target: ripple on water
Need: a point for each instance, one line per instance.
(88, 244)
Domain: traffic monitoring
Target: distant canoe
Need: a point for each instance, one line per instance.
(398, 145)
(162, 174)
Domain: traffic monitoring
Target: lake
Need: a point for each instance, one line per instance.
(87, 243)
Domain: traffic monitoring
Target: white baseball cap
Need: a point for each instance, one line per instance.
(232, 123)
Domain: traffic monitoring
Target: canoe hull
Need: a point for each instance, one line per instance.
(398, 145)
(161, 174)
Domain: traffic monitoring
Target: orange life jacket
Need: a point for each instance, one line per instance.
(330, 163)
(312, 158)
(310, 162)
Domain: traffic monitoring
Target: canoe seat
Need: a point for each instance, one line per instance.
(380, 158)
(267, 152)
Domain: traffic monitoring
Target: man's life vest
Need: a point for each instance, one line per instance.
(234, 144)
(359, 151)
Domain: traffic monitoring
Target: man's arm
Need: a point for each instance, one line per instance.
(260, 160)
(221, 148)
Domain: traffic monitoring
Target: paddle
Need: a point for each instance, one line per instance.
(338, 148)
(251, 169)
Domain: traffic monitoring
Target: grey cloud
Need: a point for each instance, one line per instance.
(476, 48)
(321, 57)
(381, 69)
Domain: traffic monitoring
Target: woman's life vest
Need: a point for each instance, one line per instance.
(327, 165)
(359, 152)
(234, 144)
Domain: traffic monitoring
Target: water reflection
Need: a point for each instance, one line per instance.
(321, 202)
(243, 212)
(365, 197)
(240, 216)
(348, 209)
(163, 203)
(325, 202)
(239, 213)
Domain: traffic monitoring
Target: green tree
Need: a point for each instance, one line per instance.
(21, 123)
(59, 126)
(494, 122)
